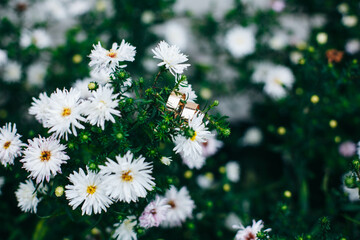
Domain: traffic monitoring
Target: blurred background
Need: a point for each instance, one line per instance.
(285, 72)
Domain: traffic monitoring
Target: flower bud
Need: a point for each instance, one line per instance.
(59, 191)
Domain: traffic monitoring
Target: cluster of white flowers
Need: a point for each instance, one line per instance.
(190, 148)
(64, 110)
(277, 79)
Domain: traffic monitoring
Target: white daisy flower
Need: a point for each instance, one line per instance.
(252, 137)
(39, 108)
(249, 232)
(12, 72)
(190, 148)
(125, 229)
(171, 57)
(185, 88)
(27, 197)
(36, 74)
(233, 171)
(10, 144)
(181, 207)
(278, 80)
(193, 161)
(205, 181)
(43, 157)
(211, 146)
(39, 37)
(240, 41)
(166, 160)
(154, 213)
(102, 59)
(64, 112)
(89, 190)
(127, 178)
(101, 107)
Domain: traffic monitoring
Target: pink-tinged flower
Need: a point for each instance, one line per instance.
(347, 149)
(154, 213)
(278, 5)
(249, 232)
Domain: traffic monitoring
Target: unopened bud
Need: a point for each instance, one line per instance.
(59, 191)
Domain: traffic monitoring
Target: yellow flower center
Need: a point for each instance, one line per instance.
(112, 54)
(66, 112)
(277, 81)
(91, 189)
(45, 156)
(194, 136)
(127, 177)
(7, 144)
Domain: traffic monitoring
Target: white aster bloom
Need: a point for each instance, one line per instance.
(349, 21)
(10, 144)
(12, 72)
(231, 220)
(36, 74)
(43, 158)
(181, 207)
(171, 58)
(125, 229)
(233, 171)
(279, 40)
(82, 85)
(205, 181)
(211, 146)
(295, 57)
(166, 160)
(252, 137)
(128, 178)
(190, 148)
(39, 37)
(39, 108)
(64, 112)
(154, 213)
(249, 232)
(108, 60)
(101, 107)
(278, 80)
(27, 197)
(261, 71)
(240, 41)
(352, 46)
(185, 88)
(3, 57)
(87, 189)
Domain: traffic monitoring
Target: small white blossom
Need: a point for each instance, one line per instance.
(154, 213)
(10, 144)
(125, 229)
(27, 197)
(181, 207)
(171, 58)
(249, 232)
(240, 41)
(36, 74)
(349, 21)
(89, 190)
(108, 60)
(12, 72)
(128, 178)
(166, 160)
(233, 171)
(39, 37)
(64, 113)
(190, 148)
(39, 108)
(100, 107)
(43, 158)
